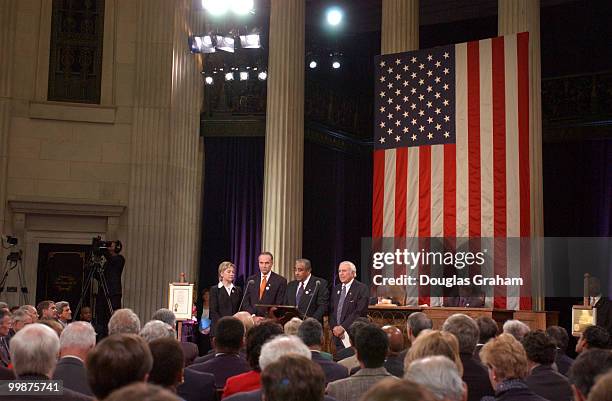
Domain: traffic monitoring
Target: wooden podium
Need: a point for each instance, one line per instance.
(281, 313)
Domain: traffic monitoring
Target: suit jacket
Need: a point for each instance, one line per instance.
(395, 365)
(564, 362)
(222, 366)
(6, 373)
(197, 386)
(274, 293)
(190, 352)
(256, 396)
(319, 304)
(333, 371)
(72, 372)
(518, 391)
(68, 395)
(604, 313)
(344, 353)
(476, 376)
(355, 304)
(353, 387)
(545, 382)
(113, 268)
(222, 304)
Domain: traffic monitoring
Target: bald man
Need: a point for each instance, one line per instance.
(394, 362)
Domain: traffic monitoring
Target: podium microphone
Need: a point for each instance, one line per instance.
(245, 293)
(317, 284)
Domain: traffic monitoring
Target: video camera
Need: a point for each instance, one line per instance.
(98, 246)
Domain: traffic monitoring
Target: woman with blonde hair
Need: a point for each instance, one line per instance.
(507, 362)
(225, 296)
(432, 343)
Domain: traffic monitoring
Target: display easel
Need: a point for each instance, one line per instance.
(583, 315)
(180, 301)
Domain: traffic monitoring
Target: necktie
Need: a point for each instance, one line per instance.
(299, 294)
(341, 304)
(262, 287)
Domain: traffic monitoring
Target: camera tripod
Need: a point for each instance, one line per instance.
(13, 261)
(96, 271)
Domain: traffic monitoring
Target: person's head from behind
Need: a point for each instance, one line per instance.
(117, 361)
(487, 329)
(292, 326)
(417, 322)
(593, 337)
(257, 337)
(20, 318)
(371, 347)
(586, 368)
(311, 333)
(280, 346)
(465, 329)
(230, 335)
(246, 319)
(440, 376)
(396, 339)
(142, 392)
(516, 328)
(505, 358)
(34, 351)
(77, 339)
(432, 343)
(168, 363)
(53, 324)
(397, 390)
(559, 336)
(540, 348)
(602, 390)
(354, 328)
(293, 377)
(157, 329)
(124, 321)
(166, 316)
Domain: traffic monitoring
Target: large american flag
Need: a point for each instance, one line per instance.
(452, 152)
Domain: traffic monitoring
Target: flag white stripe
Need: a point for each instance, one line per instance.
(486, 138)
(461, 128)
(389, 202)
(513, 221)
(412, 197)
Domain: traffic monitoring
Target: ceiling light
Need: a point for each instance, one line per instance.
(262, 76)
(244, 75)
(336, 64)
(334, 16)
(312, 64)
(215, 7)
(229, 76)
(241, 7)
(208, 80)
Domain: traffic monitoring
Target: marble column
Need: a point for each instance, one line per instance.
(400, 26)
(519, 16)
(284, 157)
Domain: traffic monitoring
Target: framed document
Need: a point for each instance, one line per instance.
(582, 317)
(180, 299)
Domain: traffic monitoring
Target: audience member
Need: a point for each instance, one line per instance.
(247, 320)
(34, 351)
(371, 346)
(227, 362)
(190, 350)
(19, 319)
(76, 341)
(256, 338)
(292, 326)
(5, 326)
(440, 376)
(593, 337)
(516, 328)
(117, 361)
(487, 329)
(506, 360)
(350, 362)
(602, 390)
(475, 375)
(46, 310)
(142, 392)
(394, 362)
(559, 336)
(165, 315)
(64, 314)
(586, 368)
(53, 324)
(156, 329)
(311, 333)
(124, 321)
(32, 311)
(543, 379)
(397, 390)
(417, 322)
(293, 377)
(167, 370)
(432, 343)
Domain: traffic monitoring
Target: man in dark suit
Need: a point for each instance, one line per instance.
(308, 292)
(559, 336)
(602, 303)
(349, 300)
(227, 361)
(76, 341)
(311, 333)
(267, 288)
(197, 386)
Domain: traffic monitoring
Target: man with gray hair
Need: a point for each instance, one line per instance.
(157, 329)
(64, 314)
(516, 328)
(34, 351)
(76, 340)
(124, 321)
(440, 376)
(166, 316)
(475, 375)
(190, 350)
(19, 319)
(311, 333)
(416, 323)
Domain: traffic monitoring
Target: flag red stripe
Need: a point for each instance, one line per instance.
(378, 197)
(450, 190)
(474, 180)
(499, 138)
(522, 44)
(401, 183)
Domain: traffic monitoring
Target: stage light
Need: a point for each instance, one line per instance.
(201, 44)
(312, 64)
(251, 41)
(215, 7)
(334, 16)
(336, 64)
(229, 76)
(208, 80)
(241, 7)
(244, 75)
(225, 43)
(262, 76)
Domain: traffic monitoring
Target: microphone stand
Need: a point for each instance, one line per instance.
(314, 292)
(245, 293)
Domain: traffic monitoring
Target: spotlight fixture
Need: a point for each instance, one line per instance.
(244, 75)
(241, 7)
(251, 41)
(225, 43)
(208, 80)
(229, 76)
(201, 44)
(334, 16)
(262, 76)
(312, 64)
(336, 64)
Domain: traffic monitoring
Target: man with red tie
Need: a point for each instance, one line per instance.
(265, 287)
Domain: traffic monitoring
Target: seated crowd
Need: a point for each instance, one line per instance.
(465, 360)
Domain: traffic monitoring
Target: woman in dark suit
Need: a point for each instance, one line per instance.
(225, 296)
